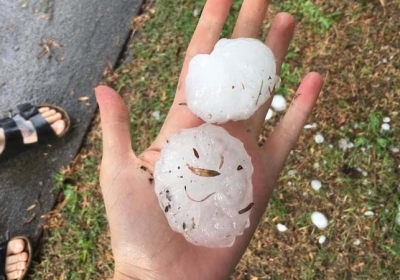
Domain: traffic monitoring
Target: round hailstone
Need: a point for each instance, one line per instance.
(385, 126)
(319, 138)
(278, 103)
(232, 82)
(316, 185)
(386, 120)
(322, 239)
(281, 227)
(203, 181)
(319, 220)
(357, 242)
(269, 115)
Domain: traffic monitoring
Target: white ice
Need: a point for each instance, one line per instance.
(278, 103)
(310, 126)
(319, 138)
(345, 144)
(322, 239)
(385, 126)
(281, 227)
(232, 82)
(203, 181)
(369, 213)
(316, 185)
(156, 115)
(386, 120)
(319, 220)
(357, 242)
(269, 115)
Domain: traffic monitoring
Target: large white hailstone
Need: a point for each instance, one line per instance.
(319, 220)
(278, 103)
(203, 181)
(232, 82)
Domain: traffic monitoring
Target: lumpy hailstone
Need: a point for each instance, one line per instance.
(319, 220)
(232, 82)
(203, 183)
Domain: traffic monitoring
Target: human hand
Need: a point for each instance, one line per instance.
(144, 245)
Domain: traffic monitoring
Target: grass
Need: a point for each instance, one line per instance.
(358, 53)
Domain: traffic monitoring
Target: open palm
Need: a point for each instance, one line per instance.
(144, 246)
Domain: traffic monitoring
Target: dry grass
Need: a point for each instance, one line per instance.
(358, 52)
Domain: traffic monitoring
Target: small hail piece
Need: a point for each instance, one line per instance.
(278, 103)
(319, 220)
(316, 185)
(231, 82)
(203, 181)
(322, 239)
(281, 227)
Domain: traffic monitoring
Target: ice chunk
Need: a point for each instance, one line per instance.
(345, 144)
(232, 82)
(319, 138)
(316, 185)
(319, 220)
(386, 120)
(322, 239)
(203, 181)
(281, 227)
(310, 126)
(278, 103)
(269, 115)
(357, 242)
(369, 213)
(385, 126)
(156, 115)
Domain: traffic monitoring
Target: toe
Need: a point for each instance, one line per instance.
(15, 246)
(15, 274)
(43, 109)
(21, 257)
(48, 113)
(16, 266)
(53, 118)
(59, 126)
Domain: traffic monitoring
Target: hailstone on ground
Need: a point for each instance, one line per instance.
(232, 82)
(203, 181)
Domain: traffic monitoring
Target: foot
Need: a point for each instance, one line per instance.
(28, 132)
(17, 259)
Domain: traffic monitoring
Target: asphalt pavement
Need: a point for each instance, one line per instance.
(52, 51)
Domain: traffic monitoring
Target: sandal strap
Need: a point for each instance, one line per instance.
(27, 110)
(13, 136)
(44, 131)
(3, 257)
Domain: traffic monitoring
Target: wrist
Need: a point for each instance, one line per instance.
(125, 272)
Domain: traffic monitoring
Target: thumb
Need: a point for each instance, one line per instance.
(114, 123)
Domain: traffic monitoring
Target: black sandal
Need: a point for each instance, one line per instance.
(3, 256)
(14, 141)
